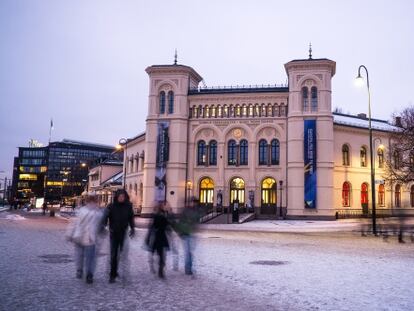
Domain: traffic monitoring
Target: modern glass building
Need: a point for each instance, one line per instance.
(57, 172)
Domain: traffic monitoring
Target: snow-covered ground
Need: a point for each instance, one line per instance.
(234, 271)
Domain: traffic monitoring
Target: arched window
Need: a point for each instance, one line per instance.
(396, 159)
(200, 111)
(397, 196)
(201, 153)
(345, 155)
(274, 152)
(381, 195)
(206, 194)
(380, 153)
(305, 98)
(256, 110)
(250, 110)
(244, 152)
(212, 111)
(219, 111)
(238, 110)
(364, 194)
(244, 110)
(412, 161)
(314, 98)
(213, 153)
(412, 196)
(231, 111)
(263, 110)
(170, 102)
(206, 112)
(195, 112)
(162, 102)
(269, 110)
(135, 189)
(225, 111)
(262, 152)
(232, 152)
(346, 194)
(363, 156)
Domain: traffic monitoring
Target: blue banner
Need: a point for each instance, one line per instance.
(309, 147)
(162, 157)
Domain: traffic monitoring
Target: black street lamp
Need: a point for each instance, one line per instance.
(124, 141)
(360, 81)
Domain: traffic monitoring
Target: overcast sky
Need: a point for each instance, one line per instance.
(82, 62)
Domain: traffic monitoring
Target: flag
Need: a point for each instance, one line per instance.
(51, 124)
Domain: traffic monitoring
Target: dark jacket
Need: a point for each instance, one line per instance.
(157, 235)
(119, 217)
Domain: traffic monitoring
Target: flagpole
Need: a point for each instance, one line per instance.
(50, 130)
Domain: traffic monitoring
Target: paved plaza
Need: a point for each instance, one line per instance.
(235, 270)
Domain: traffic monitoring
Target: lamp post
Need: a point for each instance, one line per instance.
(360, 81)
(281, 201)
(124, 141)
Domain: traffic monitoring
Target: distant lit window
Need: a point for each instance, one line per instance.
(201, 153)
(346, 194)
(381, 195)
(398, 196)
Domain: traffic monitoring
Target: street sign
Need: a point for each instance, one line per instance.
(379, 181)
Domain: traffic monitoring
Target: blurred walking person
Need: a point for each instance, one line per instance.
(157, 239)
(84, 234)
(185, 228)
(120, 215)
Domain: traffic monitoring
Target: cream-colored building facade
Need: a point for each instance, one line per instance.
(272, 150)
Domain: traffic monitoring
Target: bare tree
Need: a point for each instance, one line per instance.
(400, 163)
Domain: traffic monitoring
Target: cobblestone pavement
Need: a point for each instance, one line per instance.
(234, 271)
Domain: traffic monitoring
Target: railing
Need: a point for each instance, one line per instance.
(380, 213)
(238, 87)
(208, 213)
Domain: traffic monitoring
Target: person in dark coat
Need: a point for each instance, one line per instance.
(157, 239)
(120, 215)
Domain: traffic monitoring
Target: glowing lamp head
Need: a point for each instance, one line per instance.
(359, 81)
(118, 147)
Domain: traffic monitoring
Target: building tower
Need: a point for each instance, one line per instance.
(167, 135)
(310, 138)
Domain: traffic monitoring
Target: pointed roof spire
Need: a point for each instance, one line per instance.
(310, 50)
(175, 57)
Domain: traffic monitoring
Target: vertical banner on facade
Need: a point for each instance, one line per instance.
(309, 148)
(161, 161)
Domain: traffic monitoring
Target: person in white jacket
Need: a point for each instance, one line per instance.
(84, 234)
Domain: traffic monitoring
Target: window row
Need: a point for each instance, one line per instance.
(162, 102)
(238, 153)
(238, 111)
(134, 163)
(347, 192)
(363, 158)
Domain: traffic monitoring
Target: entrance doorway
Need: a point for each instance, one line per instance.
(237, 192)
(269, 196)
(206, 194)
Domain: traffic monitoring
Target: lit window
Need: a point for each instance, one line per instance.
(346, 194)
(381, 195)
(380, 158)
(398, 196)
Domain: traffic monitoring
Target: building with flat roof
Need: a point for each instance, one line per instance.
(56, 172)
